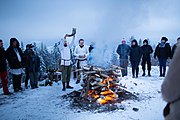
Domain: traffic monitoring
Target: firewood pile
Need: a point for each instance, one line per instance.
(100, 87)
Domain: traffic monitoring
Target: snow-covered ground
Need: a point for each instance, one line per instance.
(46, 103)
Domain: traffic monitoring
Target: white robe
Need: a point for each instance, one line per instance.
(66, 53)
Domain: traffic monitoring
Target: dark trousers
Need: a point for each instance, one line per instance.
(27, 78)
(76, 74)
(34, 77)
(144, 62)
(3, 76)
(162, 66)
(66, 73)
(17, 81)
(135, 68)
(124, 64)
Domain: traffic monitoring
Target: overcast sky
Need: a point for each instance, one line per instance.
(103, 21)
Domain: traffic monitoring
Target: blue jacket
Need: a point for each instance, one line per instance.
(123, 51)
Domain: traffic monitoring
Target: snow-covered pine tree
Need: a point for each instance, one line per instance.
(140, 42)
(22, 46)
(114, 57)
(56, 56)
(130, 40)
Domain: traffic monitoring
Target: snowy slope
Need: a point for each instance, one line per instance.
(46, 103)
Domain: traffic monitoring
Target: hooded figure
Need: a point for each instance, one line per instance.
(163, 52)
(175, 46)
(146, 51)
(135, 57)
(15, 60)
(123, 51)
(170, 88)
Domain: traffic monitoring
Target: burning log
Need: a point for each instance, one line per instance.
(100, 87)
(117, 67)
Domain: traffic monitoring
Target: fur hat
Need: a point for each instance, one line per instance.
(164, 38)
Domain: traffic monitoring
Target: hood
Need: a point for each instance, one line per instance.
(145, 41)
(12, 40)
(136, 44)
(164, 38)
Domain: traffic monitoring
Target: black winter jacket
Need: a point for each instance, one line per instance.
(163, 52)
(12, 57)
(135, 52)
(146, 51)
(3, 63)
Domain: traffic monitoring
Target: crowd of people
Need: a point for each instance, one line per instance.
(18, 60)
(137, 53)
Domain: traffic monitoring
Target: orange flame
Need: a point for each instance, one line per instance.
(105, 96)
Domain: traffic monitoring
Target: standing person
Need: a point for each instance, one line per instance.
(15, 60)
(170, 89)
(163, 52)
(81, 53)
(90, 56)
(27, 57)
(146, 59)
(123, 51)
(33, 64)
(3, 69)
(135, 57)
(174, 47)
(66, 61)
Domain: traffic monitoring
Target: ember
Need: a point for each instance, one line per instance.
(100, 88)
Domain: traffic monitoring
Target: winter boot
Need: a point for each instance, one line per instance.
(164, 71)
(143, 73)
(149, 73)
(68, 86)
(161, 75)
(133, 72)
(64, 86)
(137, 72)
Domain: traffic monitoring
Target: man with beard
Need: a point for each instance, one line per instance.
(66, 61)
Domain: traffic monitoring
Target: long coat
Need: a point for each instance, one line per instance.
(135, 53)
(12, 57)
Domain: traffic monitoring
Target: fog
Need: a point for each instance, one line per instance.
(104, 21)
